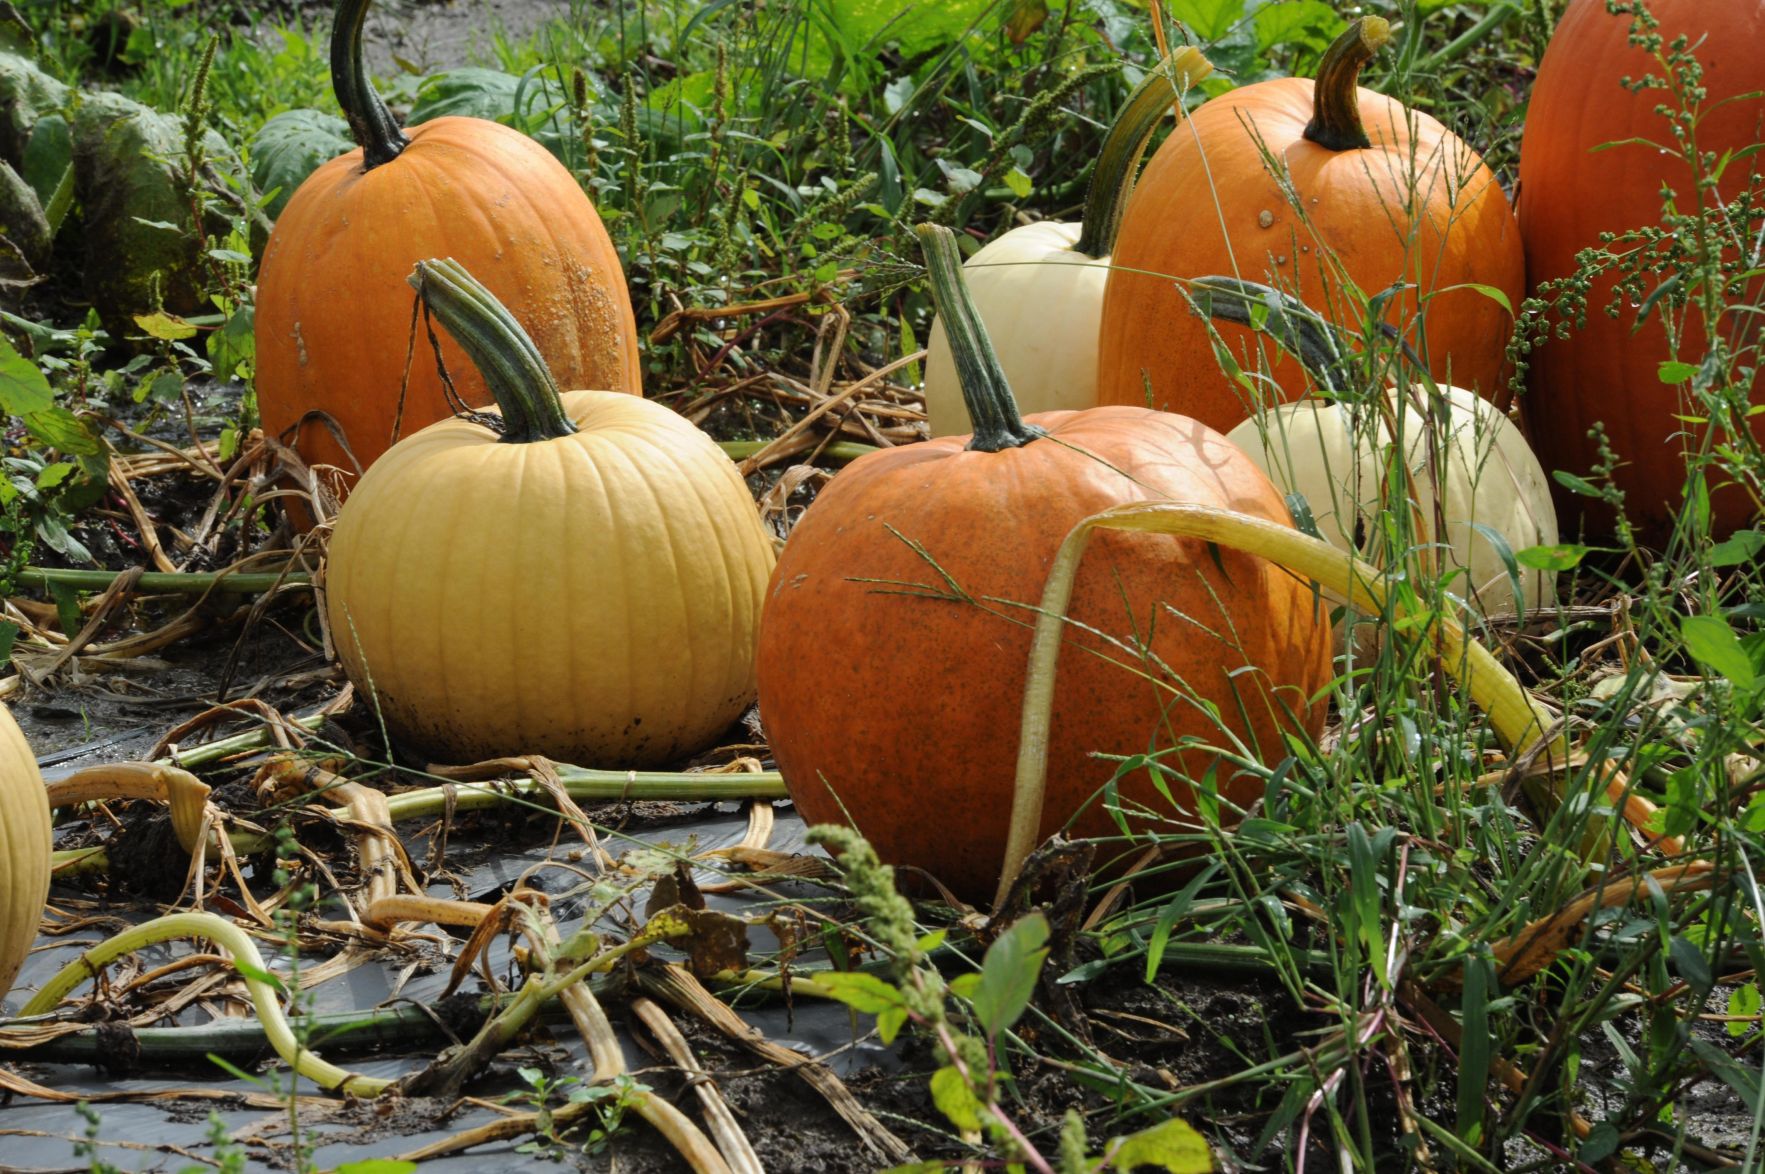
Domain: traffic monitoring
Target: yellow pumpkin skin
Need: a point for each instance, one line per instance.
(25, 843)
(594, 598)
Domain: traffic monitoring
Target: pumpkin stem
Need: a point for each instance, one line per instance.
(1113, 179)
(1336, 107)
(991, 407)
(503, 353)
(370, 123)
(1296, 326)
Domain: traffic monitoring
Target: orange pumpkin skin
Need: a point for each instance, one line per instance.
(896, 709)
(1206, 204)
(334, 312)
(1571, 191)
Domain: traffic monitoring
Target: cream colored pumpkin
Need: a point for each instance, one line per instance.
(25, 843)
(592, 596)
(1039, 288)
(1042, 301)
(1334, 455)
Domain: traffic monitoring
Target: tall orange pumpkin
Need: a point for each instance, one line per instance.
(896, 632)
(1386, 193)
(333, 309)
(1589, 164)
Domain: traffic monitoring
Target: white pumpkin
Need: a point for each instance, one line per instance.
(1334, 455)
(1039, 288)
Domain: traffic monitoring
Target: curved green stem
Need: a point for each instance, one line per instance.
(1336, 107)
(1519, 721)
(511, 364)
(839, 450)
(370, 123)
(246, 960)
(1112, 182)
(991, 408)
(579, 783)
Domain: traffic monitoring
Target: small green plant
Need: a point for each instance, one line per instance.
(969, 1021)
(542, 1095)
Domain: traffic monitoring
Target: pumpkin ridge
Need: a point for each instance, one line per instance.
(735, 598)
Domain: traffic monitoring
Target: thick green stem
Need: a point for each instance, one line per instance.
(579, 783)
(244, 1040)
(370, 123)
(1299, 328)
(1336, 106)
(612, 785)
(246, 960)
(991, 408)
(1113, 179)
(511, 364)
(839, 450)
(1519, 721)
(167, 582)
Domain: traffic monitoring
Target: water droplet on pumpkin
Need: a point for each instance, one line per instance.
(1265, 218)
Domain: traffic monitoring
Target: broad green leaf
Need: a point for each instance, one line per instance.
(60, 429)
(1025, 17)
(890, 1023)
(1560, 557)
(142, 251)
(1713, 644)
(467, 92)
(23, 388)
(1743, 1004)
(954, 1099)
(233, 347)
(1208, 19)
(1311, 22)
(165, 327)
(290, 147)
(1172, 1145)
(9, 634)
(1574, 484)
(1673, 371)
(1743, 546)
(48, 156)
(861, 991)
(1009, 972)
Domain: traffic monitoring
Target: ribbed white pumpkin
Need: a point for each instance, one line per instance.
(592, 595)
(1039, 288)
(25, 843)
(1334, 454)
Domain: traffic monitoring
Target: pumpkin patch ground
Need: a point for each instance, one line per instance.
(675, 751)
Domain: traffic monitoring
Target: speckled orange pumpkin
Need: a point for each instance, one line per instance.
(894, 643)
(1587, 166)
(333, 310)
(1387, 193)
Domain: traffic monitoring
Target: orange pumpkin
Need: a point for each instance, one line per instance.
(1384, 194)
(333, 309)
(896, 631)
(1574, 186)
